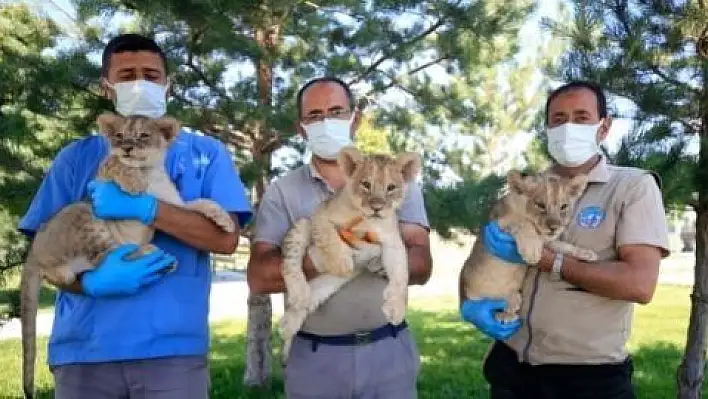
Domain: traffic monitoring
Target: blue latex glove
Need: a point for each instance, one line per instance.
(110, 202)
(480, 313)
(501, 244)
(117, 276)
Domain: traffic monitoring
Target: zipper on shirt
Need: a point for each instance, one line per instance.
(528, 317)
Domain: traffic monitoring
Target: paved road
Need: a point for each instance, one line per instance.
(229, 289)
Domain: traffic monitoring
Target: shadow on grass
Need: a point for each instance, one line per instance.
(451, 358)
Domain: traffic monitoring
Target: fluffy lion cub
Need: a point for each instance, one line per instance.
(535, 212)
(74, 240)
(362, 213)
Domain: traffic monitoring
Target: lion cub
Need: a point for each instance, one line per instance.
(535, 212)
(362, 213)
(74, 240)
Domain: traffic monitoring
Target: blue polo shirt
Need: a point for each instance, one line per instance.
(168, 318)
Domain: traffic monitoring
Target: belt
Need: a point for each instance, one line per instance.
(355, 339)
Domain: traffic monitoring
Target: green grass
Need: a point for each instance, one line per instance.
(451, 353)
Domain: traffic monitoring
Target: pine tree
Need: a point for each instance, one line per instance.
(44, 102)
(653, 53)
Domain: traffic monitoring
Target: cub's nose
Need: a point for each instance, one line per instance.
(377, 204)
(553, 224)
(127, 149)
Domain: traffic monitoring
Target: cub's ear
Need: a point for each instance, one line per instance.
(516, 183)
(409, 164)
(578, 184)
(348, 159)
(109, 123)
(168, 126)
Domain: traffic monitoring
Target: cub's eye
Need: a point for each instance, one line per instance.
(144, 136)
(541, 206)
(366, 185)
(391, 187)
(564, 207)
(119, 136)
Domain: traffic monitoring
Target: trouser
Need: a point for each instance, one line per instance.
(510, 379)
(183, 377)
(386, 368)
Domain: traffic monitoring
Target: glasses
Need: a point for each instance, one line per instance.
(340, 113)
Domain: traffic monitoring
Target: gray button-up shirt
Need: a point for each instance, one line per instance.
(357, 305)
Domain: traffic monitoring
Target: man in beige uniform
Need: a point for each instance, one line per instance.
(577, 315)
(346, 348)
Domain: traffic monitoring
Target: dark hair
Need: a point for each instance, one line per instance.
(129, 42)
(324, 79)
(580, 84)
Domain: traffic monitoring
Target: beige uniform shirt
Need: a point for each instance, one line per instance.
(357, 305)
(566, 324)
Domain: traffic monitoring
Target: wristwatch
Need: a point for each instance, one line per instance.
(557, 268)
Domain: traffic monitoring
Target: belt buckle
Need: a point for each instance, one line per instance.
(362, 338)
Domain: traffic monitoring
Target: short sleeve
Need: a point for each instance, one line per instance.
(272, 221)
(413, 208)
(223, 185)
(643, 219)
(55, 192)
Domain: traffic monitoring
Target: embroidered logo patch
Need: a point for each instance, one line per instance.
(591, 217)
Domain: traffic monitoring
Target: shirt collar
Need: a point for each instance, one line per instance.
(315, 176)
(600, 173)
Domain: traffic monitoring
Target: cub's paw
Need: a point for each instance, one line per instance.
(300, 297)
(132, 185)
(394, 306)
(531, 251)
(506, 317)
(215, 213)
(586, 255)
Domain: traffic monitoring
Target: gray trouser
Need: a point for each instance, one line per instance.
(385, 369)
(183, 377)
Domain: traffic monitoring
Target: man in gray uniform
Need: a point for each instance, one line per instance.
(346, 348)
(577, 315)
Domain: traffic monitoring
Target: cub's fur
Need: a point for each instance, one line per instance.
(74, 240)
(364, 210)
(535, 212)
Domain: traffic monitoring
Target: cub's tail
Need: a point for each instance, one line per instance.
(29, 302)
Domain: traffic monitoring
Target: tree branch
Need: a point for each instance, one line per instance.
(395, 80)
(389, 55)
(620, 10)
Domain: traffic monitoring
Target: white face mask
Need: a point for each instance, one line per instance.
(572, 144)
(326, 138)
(140, 97)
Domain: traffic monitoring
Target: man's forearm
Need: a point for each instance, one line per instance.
(265, 273)
(610, 279)
(195, 229)
(419, 265)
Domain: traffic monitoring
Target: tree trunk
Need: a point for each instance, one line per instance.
(692, 368)
(260, 310)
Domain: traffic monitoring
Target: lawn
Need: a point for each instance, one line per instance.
(451, 353)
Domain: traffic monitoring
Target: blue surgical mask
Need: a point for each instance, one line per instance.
(140, 97)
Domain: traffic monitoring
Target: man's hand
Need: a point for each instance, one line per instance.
(110, 202)
(480, 313)
(501, 244)
(117, 276)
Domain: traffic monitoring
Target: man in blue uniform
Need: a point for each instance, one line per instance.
(124, 330)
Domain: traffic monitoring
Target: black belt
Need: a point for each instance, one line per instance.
(358, 338)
